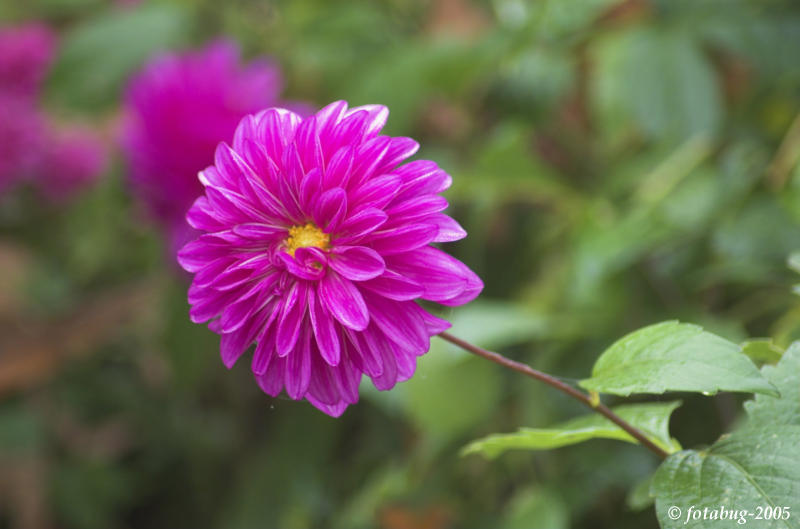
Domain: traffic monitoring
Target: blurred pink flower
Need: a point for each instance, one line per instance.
(57, 162)
(25, 55)
(73, 159)
(178, 109)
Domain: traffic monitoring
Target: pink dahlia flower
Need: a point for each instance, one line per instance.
(317, 245)
(178, 109)
(25, 56)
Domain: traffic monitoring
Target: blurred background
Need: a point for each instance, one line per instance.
(615, 162)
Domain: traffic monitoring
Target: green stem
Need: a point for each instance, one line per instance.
(585, 399)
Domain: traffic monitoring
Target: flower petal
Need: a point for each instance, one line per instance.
(416, 208)
(323, 388)
(443, 277)
(292, 313)
(276, 129)
(421, 177)
(298, 367)
(330, 209)
(400, 148)
(265, 349)
(374, 120)
(360, 224)
(310, 188)
(201, 216)
(375, 192)
(402, 239)
(338, 171)
(368, 158)
(259, 231)
(344, 301)
(399, 323)
(369, 356)
(307, 263)
(271, 381)
(356, 263)
(238, 313)
(334, 410)
(324, 330)
(233, 344)
(394, 286)
(388, 352)
(449, 229)
(308, 144)
(432, 323)
(348, 378)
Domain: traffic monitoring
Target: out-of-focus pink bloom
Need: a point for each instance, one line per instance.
(316, 247)
(22, 137)
(57, 162)
(72, 161)
(25, 55)
(178, 109)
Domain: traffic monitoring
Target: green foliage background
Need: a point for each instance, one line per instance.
(616, 163)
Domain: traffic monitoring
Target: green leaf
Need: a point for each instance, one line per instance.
(762, 351)
(536, 508)
(565, 19)
(793, 261)
(506, 167)
(496, 325)
(604, 248)
(383, 484)
(639, 497)
(765, 410)
(673, 356)
(403, 78)
(88, 493)
(536, 78)
(757, 466)
(97, 57)
(20, 430)
(446, 398)
(755, 239)
(660, 80)
(452, 389)
(748, 469)
(651, 418)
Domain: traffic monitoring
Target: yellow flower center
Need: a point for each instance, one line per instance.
(306, 237)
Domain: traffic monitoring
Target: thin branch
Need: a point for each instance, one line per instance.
(584, 398)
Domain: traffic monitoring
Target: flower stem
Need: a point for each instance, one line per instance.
(584, 398)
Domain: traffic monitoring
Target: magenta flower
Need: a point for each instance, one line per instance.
(73, 160)
(25, 56)
(58, 161)
(179, 108)
(317, 245)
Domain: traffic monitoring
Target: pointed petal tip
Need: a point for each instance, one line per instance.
(333, 410)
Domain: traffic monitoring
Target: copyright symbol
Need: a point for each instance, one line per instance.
(674, 512)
